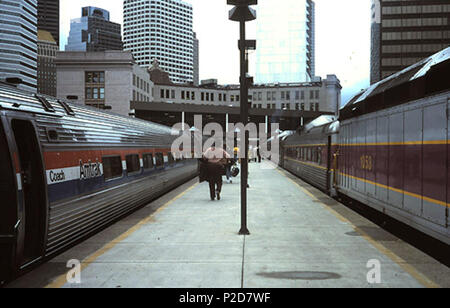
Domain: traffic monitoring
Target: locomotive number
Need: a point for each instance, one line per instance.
(367, 162)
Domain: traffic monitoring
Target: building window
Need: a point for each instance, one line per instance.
(317, 94)
(269, 96)
(288, 96)
(202, 96)
(220, 97)
(311, 107)
(317, 107)
(162, 93)
(182, 94)
(173, 94)
(297, 95)
(95, 86)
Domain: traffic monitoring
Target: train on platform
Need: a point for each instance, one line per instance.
(68, 170)
(389, 148)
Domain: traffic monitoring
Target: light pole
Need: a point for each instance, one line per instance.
(243, 13)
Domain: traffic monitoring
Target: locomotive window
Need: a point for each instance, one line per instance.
(159, 159)
(148, 161)
(112, 167)
(133, 163)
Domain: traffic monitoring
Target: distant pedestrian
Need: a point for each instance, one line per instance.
(215, 160)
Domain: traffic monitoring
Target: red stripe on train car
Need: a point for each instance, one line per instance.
(66, 159)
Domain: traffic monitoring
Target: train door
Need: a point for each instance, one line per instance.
(8, 210)
(34, 201)
(329, 166)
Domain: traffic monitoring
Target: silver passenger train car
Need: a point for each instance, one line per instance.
(68, 170)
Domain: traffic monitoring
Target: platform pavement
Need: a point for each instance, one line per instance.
(299, 238)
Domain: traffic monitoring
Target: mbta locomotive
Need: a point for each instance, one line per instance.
(389, 149)
(68, 170)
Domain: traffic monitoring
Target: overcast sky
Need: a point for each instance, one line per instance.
(342, 38)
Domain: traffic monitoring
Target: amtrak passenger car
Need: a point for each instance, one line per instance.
(68, 170)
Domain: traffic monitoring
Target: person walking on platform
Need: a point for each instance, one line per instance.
(214, 161)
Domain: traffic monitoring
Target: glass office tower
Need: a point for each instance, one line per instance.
(94, 32)
(285, 46)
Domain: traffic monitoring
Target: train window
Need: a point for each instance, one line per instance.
(159, 159)
(171, 159)
(112, 167)
(148, 161)
(133, 163)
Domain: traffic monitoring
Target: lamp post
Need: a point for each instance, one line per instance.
(243, 13)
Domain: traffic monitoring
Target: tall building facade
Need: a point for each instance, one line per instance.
(18, 40)
(405, 32)
(285, 50)
(94, 32)
(46, 68)
(48, 17)
(161, 30)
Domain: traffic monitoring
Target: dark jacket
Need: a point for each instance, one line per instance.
(209, 171)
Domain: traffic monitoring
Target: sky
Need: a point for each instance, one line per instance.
(342, 38)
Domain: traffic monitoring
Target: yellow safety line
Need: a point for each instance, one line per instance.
(394, 257)
(62, 280)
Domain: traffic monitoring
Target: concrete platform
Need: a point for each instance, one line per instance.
(299, 238)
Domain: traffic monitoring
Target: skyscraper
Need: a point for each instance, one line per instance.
(196, 61)
(285, 50)
(408, 31)
(18, 41)
(48, 17)
(94, 32)
(161, 30)
(46, 67)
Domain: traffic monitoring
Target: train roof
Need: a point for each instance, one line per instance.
(80, 123)
(425, 78)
